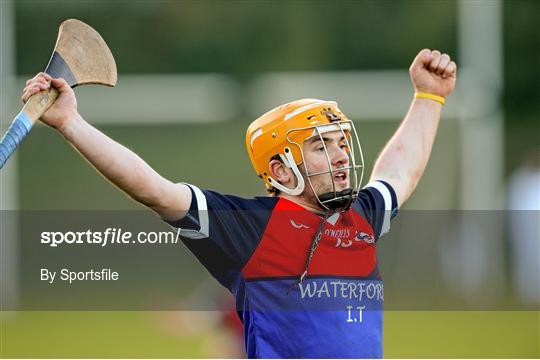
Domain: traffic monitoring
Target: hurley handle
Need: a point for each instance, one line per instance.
(23, 122)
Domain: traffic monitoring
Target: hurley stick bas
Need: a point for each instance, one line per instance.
(80, 57)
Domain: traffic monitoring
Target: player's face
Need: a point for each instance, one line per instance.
(317, 162)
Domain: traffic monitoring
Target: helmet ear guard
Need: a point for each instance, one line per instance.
(289, 162)
(284, 160)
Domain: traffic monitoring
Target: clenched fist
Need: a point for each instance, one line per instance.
(433, 72)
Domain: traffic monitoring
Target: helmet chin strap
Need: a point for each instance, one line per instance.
(289, 162)
(338, 200)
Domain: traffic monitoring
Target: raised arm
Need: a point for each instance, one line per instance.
(117, 163)
(403, 160)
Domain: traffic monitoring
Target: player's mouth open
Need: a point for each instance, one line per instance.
(340, 176)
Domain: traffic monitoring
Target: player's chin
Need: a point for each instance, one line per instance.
(338, 186)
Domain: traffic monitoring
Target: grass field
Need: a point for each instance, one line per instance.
(139, 334)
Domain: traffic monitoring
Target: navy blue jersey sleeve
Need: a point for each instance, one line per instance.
(377, 202)
(223, 230)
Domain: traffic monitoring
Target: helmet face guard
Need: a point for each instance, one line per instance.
(283, 131)
(335, 199)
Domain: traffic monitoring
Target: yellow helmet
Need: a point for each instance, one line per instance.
(283, 130)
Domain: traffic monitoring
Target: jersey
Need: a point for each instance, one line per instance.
(258, 247)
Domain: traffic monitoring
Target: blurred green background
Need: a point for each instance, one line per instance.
(244, 39)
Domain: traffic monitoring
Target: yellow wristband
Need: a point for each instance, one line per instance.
(422, 95)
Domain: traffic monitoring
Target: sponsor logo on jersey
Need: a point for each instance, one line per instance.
(362, 236)
(299, 225)
(343, 239)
